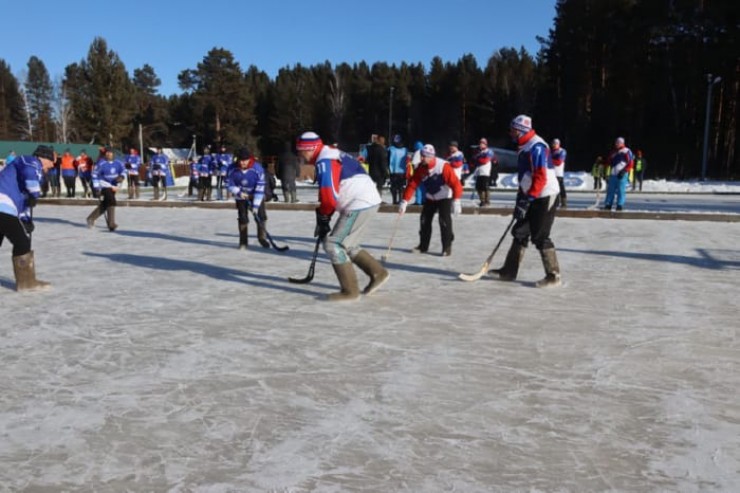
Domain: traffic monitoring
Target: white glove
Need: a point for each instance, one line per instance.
(456, 207)
(402, 207)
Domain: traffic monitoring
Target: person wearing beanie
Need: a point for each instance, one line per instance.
(536, 204)
(484, 162)
(246, 183)
(621, 161)
(456, 158)
(558, 156)
(443, 194)
(224, 163)
(397, 157)
(20, 188)
(158, 165)
(344, 188)
(107, 176)
(206, 166)
(132, 165)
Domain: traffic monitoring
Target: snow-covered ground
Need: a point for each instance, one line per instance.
(164, 359)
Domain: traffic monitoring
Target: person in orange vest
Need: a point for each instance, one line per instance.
(69, 173)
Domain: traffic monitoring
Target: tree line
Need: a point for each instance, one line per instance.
(643, 70)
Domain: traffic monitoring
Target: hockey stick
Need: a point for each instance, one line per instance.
(312, 268)
(269, 238)
(487, 263)
(387, 254)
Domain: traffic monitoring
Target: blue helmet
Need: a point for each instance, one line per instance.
(418, 145)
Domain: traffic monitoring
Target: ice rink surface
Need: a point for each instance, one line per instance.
(164, 359)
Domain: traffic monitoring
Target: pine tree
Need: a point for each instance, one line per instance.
(39, 93)
(102, 95)
(11, 104)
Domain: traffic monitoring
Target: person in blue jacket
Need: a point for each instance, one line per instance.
(206, 164)
(397, 161)
(246, 183)
(132, 164)
(20, 187)
(224, 161)
(158, 169)
(107, 175)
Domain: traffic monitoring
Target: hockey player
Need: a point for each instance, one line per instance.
(558, 162)
(132, 164)
(456, 158)
(484, 162)
(246, 182)
(107, 175)
(443, 194)
(345, 188)
(205, 167)
(536, 203)
(224, 161)
(20, 187)
(621, 162)
(158, 171)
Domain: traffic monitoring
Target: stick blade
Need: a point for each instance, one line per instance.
(476, 276)
(281, 248)
(302, 280)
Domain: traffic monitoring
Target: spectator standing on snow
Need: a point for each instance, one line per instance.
(484, 159)
(132, 165)
(639, 173)
(443, 194)
(289, 169)
(397, 161)
(84, 165)
(414, 165)
(107, 176)
(345, 188)
(536, 204)
(558, 155)
(621, 161)
(69, 173)
(246, 183)
(377, 160)
(20, 187)
(597, 172)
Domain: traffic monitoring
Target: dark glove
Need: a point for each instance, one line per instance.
(28, 225)
(250, 207)
(522, 206)
(620, 175)
(323, 225)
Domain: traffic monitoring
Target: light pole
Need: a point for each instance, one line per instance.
(711, 81)
(390, 116)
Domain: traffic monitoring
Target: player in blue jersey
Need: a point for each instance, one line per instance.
(246, 183)
(20, 187)
(107, 175)
(158, 165)
(132, 164)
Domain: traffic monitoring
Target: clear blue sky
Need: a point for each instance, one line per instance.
(175, 35)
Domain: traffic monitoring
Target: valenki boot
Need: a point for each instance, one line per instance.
(24, 268)
(510, 269)
(552, 269)
(347, 281)
(376, 272)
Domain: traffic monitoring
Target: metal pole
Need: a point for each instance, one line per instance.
(705, 151)
(706, 129)
(141, 143)
(390, 117)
